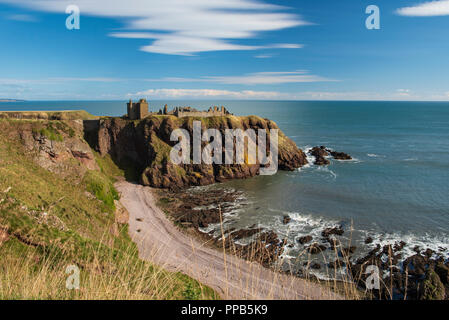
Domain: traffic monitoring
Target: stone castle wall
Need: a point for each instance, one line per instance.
(202, 114)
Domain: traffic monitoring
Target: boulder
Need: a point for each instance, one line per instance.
(316, 248)
(286, 220)
(305, 239)
(332, 231)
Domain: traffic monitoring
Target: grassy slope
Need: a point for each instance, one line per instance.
(51, 223)
(51, 115)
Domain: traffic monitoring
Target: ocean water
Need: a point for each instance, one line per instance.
(396, 188)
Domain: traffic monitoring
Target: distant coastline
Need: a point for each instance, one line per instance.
(12, 100)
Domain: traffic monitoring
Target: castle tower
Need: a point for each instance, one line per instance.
(130, 109)
(137, 111)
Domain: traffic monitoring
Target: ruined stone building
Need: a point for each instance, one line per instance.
(137, 110)
(181, 112)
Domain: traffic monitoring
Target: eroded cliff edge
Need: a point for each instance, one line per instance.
(145, 146)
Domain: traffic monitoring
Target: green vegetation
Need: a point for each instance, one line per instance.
(51, 133)
(161, 149)
(48, 223)
(48, 115)
(101, 186)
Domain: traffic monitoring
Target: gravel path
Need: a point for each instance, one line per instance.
(160, 242)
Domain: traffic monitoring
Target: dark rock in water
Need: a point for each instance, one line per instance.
(337, 264)
(316, 248)
(429, 253)
(348, 251)
(286, 220)
(387, 249)
(332, 231)
(369, 240)
(320, 161)
(334, 243)
(417, 249)
(245, 233)
(432, 288)
(305, 239)
(227, 231)
(399, 246)
(416, 265)
(339, 155)
(320, 153)
(316, 266)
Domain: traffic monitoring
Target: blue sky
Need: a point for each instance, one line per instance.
(224, 49)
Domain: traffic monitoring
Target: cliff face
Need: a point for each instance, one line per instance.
(146, 145)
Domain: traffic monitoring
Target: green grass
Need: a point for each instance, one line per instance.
(51, 134)
(101, 186)
(48, 115)
(52, 222)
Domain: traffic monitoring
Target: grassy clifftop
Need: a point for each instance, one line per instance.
(59, 208)
(48, 115)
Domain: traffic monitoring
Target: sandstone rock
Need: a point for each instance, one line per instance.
(286, 220)
(146, 144)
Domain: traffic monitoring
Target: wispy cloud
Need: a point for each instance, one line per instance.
(182, 93)
(182, 27)
(207, 93)
(263, 56)
(10, 81)
(403, 92)
(426, 9)
(22, 17)
(259, 78)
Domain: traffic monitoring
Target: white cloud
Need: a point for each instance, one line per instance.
(263, 56)
(184, 27)
(258, 78)
(9, 81)
(22, 18)
(208, 93)
(403, 92)
(426, 9)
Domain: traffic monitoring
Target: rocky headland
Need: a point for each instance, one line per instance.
(74, 148)
(145, 145)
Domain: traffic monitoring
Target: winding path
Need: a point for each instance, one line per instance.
(160, 242)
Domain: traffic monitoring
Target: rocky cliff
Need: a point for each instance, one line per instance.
(146, 145)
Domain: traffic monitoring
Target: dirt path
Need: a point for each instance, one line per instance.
(162, 243)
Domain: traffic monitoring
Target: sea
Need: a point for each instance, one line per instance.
(396, 188)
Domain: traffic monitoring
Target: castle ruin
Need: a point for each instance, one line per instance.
(137, 110)
(181, 112)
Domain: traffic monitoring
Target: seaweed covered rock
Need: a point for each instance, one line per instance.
(433, 288)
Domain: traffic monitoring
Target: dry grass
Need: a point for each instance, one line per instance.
(31, 275)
